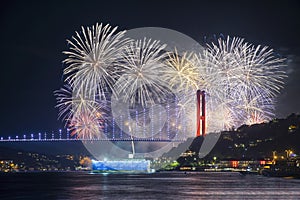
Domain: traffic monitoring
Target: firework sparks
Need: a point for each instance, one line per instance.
(241, 80)
(86, 125)
(142, 78)
(242, 77)
(70, 105)
(182, 74)
(91, 59)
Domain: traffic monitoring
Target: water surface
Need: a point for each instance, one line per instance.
(178, 185)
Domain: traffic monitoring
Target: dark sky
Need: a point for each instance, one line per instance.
(33, 36)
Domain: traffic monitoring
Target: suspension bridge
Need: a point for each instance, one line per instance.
(66, 136)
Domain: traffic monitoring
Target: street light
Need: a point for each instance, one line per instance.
(274, 157)
(288, 153)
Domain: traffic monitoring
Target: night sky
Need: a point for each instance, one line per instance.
(33, 36)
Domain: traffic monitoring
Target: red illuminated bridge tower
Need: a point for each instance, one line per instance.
(201, 125)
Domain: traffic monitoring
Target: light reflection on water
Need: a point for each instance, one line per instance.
(146, 186)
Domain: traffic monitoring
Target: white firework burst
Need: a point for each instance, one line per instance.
(242, 77)
(142, 79)
(220, 117)
(70, 105)
(91, 59)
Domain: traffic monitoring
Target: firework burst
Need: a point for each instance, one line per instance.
(86, 124)
(241, 80)
(142, 78)
(70, 106)
(242, 77)
(182, 74)
(91, 58)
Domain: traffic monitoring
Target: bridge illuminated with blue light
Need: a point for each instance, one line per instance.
(118, 135)
(66, 137)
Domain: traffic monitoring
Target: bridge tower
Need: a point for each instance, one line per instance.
(201, 121)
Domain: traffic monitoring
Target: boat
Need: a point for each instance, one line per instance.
(282, 168)
(130, 165)
(121, 166)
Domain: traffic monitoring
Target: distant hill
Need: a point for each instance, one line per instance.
(19, 160)
(259, 140)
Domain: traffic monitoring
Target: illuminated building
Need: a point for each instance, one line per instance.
(129, 165)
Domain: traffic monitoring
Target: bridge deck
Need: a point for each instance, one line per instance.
(75, 139)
